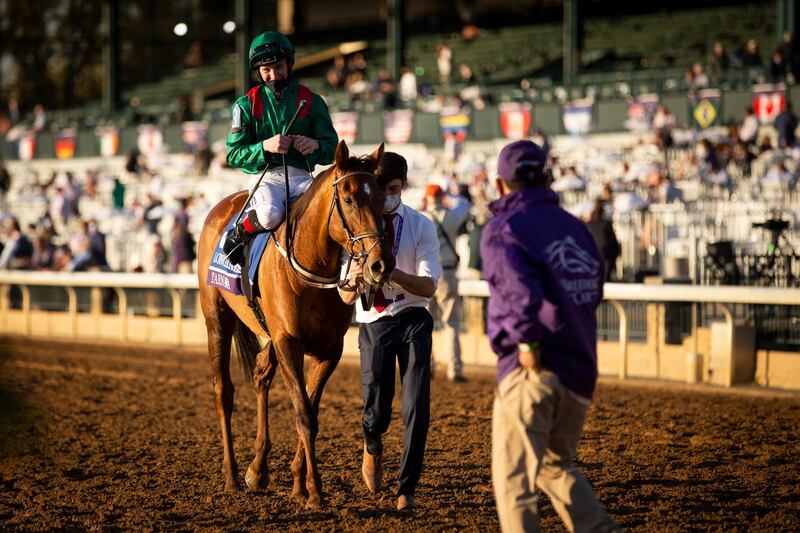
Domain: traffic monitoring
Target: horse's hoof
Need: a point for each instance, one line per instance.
(255, 481)
(314, 502)
(231, 486)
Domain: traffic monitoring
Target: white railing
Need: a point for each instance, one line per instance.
(175, 284)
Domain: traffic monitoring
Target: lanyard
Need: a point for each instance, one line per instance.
(398, 234)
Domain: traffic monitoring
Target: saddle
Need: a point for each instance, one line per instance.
(241, 280)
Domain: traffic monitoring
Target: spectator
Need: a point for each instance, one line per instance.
(82, 258)
(448, 213)
(153, 213)
(384, 87)
(663, 124)
(749, 129)
(719, 62)
(786, 124)
(194, 58)
(790, 58)
(97, 242)
(118, 195)
(752, 56)
(480, 214)
(407, 87)
(545, 278)
(5, 181)
(719, 178)
(44, 252)
(337, 73)
(39, 118)
(570, 181)
(777, 67)
(667, 192)
(183, 249)
(18, 250)
(779, 177)
(699, 76)
(131, 114)
(13, 110)
(603, 234)
(444, 63)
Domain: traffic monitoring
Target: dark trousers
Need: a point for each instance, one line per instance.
(406, 337)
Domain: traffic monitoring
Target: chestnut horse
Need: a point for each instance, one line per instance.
(304, 313)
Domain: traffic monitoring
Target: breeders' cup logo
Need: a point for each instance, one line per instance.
(566, 256)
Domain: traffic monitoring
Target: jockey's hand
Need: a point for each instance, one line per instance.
(279, 144)
(305, 145)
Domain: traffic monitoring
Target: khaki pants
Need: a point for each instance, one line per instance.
(536, 426)
(445, 306)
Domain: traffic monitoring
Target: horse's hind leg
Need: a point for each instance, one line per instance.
(318, 374)
(220, 320)
(257, 476)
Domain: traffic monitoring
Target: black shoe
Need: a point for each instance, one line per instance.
(234, 243)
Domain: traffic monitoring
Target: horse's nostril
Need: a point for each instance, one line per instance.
(377, 267)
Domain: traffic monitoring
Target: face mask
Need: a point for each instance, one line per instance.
(391, 203)
(277, 86)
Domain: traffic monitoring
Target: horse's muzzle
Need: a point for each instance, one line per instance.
(380, 270)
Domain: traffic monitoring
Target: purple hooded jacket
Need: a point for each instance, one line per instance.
(545, 278)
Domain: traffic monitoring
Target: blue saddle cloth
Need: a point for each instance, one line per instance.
(228, 276)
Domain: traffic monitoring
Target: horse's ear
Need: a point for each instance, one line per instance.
(342, 154)
(377, 155)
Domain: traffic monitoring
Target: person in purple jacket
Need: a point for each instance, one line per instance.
(545, 278)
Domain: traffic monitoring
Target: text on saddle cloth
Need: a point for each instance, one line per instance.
(226, 275)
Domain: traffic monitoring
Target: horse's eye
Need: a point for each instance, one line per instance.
(348, 200)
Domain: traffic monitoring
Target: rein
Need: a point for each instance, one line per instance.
(320, 282)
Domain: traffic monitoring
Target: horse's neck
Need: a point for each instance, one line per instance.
(312, 246)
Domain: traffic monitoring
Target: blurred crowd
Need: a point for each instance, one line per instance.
(67, 219)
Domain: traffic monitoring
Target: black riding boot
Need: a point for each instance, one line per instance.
(237, 238)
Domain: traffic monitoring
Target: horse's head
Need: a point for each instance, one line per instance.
(359, 202)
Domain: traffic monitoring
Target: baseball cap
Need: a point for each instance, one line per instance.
(518, 160)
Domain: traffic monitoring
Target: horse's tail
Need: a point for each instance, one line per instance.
(247, 348)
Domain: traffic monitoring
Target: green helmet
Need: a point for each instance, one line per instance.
(270, 47)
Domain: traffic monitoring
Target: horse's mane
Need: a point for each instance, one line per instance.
(300, 205)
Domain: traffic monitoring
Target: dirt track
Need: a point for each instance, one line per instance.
(115, 437)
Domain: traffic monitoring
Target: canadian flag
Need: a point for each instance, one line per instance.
(768, 101)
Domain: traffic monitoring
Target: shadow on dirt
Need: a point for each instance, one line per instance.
(16, 416)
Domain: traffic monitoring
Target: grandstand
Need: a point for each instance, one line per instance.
(645, 53)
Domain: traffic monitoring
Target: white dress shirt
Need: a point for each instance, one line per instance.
(417, 254)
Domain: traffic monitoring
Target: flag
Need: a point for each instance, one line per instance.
(578, 116)
(454, 122)
(768, 101)
(641, 111)
(150, 139)
(515, 120)
(705, 108)
(65, 143)
(108, 140)
(26, 146)
(397, 125)
(194, 133)
(346, 125)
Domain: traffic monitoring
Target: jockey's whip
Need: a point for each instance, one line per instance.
(288, 127)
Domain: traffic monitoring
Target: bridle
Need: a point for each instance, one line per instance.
(315, 280)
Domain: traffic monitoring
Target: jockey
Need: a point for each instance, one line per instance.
(256, 137)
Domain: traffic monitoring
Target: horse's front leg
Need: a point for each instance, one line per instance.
(290, 360)
(257, 476)
(318, 374)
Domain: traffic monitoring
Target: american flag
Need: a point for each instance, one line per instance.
(397, 125)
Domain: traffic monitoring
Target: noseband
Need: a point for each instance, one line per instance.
(333, 282)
